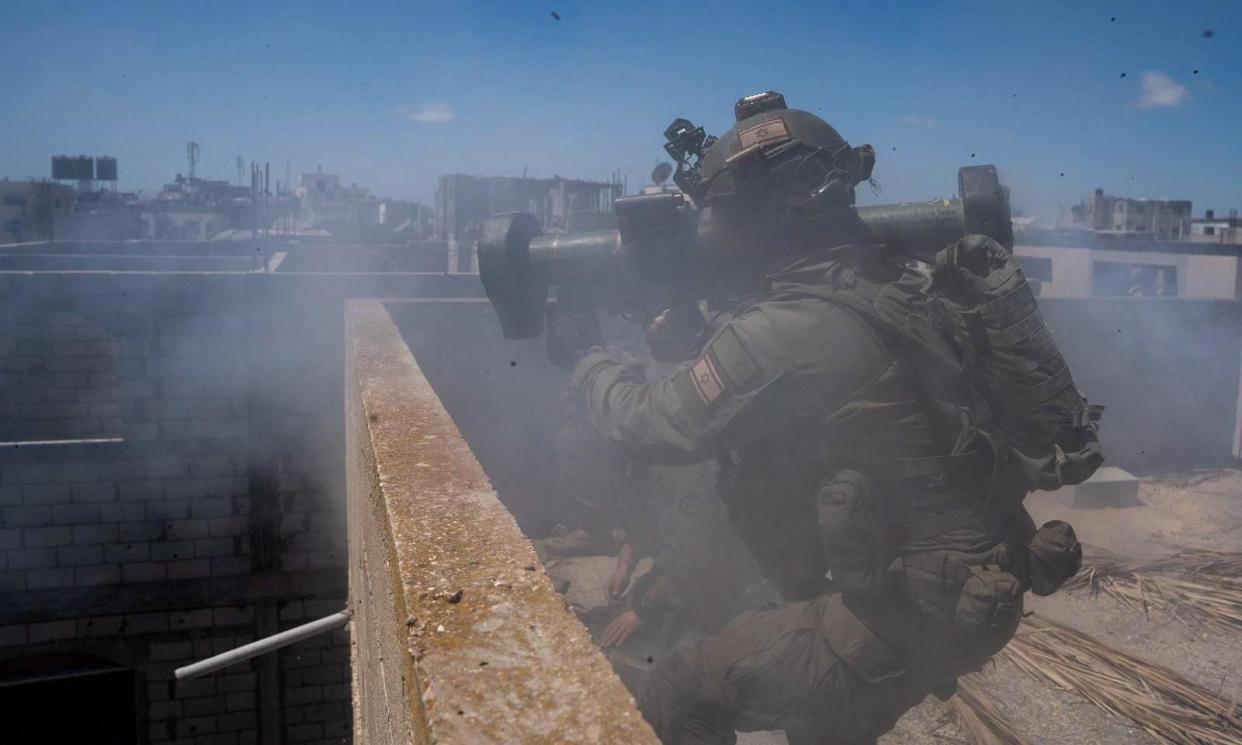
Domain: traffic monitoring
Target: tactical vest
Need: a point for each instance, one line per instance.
(962, 548)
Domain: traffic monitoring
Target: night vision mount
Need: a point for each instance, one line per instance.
(686, 146)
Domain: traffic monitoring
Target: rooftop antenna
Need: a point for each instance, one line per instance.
(191, 156)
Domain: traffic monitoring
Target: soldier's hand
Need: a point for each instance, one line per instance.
(627, 559)
(620, 630)
(570, 335)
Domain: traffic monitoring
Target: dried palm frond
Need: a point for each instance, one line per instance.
(1158, 700)
(1198, 561)
(979, 718)
(1197, 585)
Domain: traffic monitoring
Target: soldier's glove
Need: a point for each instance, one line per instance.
(674, 334)
(571, 334)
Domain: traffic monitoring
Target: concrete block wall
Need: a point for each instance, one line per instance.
(221, 709)
(216, 516)
(58, 378)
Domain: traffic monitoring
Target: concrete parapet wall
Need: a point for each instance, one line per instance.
(458, 634)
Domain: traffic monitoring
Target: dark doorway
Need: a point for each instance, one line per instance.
(67, 698)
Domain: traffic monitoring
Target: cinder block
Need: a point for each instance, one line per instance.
(57, 536)
(75, 472)
(127, 553)
(22, 517)
(204, 705)
(140, 490)
(189, 569)
(170, 550)
(164, 651)
(168, 509)
(52, 631)
(162, 710)
(306, 731)
(14, 581)
(85, 535)
(143, 572)
(97, 575)
(146, 623)
(240, 701)
(76, 556)
(123, 470)
(26, 473)
(41, 579)
(120, 512)
(187, 528)
(207, 507)
(147, 530)
(228, 526)
(1108, 487)
(31, 558)
(197, 725)
(168, 468)
(45, 494)
(13, 635)
(101, 626)
(213, 547)
(230, 566)
(242, 616)
(95, 492)
(218, 465)
(194, 619)
(76, 514)
(236, 681)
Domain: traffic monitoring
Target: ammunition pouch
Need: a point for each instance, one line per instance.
(855, 536)
(971, 594)
(1051, 557)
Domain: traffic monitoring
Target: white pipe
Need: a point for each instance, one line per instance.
(263, 646)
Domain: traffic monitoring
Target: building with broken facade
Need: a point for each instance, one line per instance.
(559, 204)
(1167, 219)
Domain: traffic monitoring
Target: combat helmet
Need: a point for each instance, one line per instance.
(783, 163)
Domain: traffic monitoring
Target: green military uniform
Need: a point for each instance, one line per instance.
(808, 408)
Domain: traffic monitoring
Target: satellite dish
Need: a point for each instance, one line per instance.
(660, 173)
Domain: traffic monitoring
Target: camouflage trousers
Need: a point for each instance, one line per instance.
(812, 669)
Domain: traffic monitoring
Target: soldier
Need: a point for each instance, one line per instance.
(701, 575)
(885, 510)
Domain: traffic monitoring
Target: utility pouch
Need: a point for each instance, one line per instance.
(1054, 555)
(855, 538)
(991, 598)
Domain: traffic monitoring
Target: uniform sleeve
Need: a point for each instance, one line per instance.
(734, 392)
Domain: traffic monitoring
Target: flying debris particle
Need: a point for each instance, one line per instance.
(1208, 33)
(455, 598)
(1196, 72)
(1113, 19)
(556, 16)
(1062, 173)
(512, 363)
(1123, 74)
(972, 155)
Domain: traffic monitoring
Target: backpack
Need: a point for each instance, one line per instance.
(974, 336)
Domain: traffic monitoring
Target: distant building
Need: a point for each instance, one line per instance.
(464, 202)
(30, 209)
(195, 209)
(1214, 229)
(354, 213)
(1166, 219)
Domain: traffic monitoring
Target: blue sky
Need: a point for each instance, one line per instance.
(392, 94)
